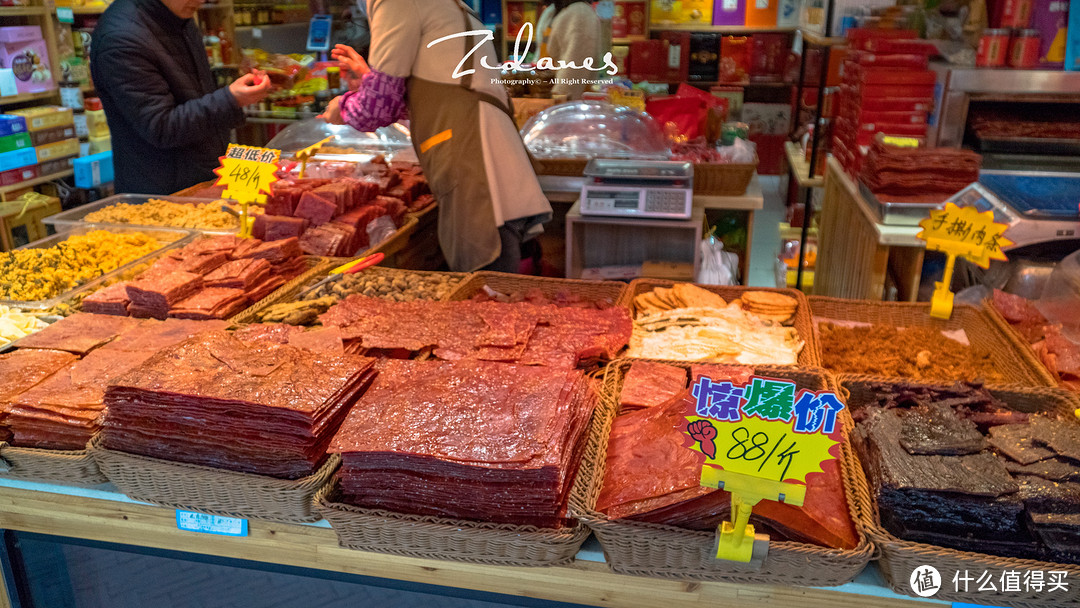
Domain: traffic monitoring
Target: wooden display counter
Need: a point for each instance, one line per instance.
(106, 516)
(856, 252)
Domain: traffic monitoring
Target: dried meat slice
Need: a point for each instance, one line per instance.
(649, 384)
(112, 300)
(1017, 441)
(80, 333)
(936, 429)
(161, 293)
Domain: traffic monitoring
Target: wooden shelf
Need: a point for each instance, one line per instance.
(819, 40)
(701, 27)
(30, 183)
(23, 11)
(629, 39)
(800, 168)
(21, 97)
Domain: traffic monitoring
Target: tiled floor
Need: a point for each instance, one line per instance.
(766, 242)
(84, 577)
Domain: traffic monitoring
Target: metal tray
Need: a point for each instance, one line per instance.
(1029, 145)
(172, 237)
(77, 216)
(898, 214)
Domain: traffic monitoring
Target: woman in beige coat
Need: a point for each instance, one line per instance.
(435, 59)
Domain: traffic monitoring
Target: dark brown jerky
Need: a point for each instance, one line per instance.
(1062, 438)
(1054, 469)
(1045, 496)
(1018, 443)
(936, 429)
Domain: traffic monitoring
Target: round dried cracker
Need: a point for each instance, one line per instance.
(770, 298)
(693, 296)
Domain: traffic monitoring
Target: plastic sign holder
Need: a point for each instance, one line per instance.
(961, 231)
(247, 173)
(306, 154)
(759, 441)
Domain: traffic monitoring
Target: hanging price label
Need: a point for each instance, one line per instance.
(759, 441)
(247, 173)
(965, 232)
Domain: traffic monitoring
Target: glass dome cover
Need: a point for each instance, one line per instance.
(592, 129)
(347, 140)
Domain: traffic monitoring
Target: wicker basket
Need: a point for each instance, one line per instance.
(810, 355)
(76, 468)
(179, 485)
(502, 282)
(899, 558)
(316, 267)
(717, 179)
(292, 292)
(1014, 359)
(664, 551)
(461, 540)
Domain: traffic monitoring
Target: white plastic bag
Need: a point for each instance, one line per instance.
(380, 229)
(718, 267)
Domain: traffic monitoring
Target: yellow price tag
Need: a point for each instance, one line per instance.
(966, 232)
(306, 154)
(247, 173)
(900, 142)
(760, 441)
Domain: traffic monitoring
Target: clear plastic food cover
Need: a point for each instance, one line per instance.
(594, 129)
(347, 140)
(1060, 301)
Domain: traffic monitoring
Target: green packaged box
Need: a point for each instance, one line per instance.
(17, 141)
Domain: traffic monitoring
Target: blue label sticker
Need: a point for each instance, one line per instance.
(64, 14)
(211, 524)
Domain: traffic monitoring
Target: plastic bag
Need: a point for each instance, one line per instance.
(742, 151)
(718, 267)
(380, 229)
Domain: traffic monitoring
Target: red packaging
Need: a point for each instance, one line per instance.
(866, 138)
(897, 91)
(905, 130)
(1024, 49)
(620, 27)
(635, 19)
(810, 97)
(903, 104)
(899, 118)
(679, 115)
(1014, 14)
(515, 18)
(734, 58)
(888, 46)
(891, 76)
(15, 176)
(768, 56)
(647, 61)
(678, 55)
(993, 47)
(863, 39)
(910, 62)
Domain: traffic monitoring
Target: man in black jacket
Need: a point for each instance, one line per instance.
(169, 122)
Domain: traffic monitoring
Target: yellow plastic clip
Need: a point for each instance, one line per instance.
(941, 303)
(305, 154)
(736, 539)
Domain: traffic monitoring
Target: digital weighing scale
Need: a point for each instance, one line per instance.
(638, 188)
(1038, 207)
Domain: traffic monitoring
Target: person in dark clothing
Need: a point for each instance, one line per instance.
(169, 123)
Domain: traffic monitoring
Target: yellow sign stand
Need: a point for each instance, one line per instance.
(247, 173)
(737, 540)
(304, 155)
(961, 231)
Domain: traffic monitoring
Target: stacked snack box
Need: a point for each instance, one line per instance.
(886, 88)
(49, 132)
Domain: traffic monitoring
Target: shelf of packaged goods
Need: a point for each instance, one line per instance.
(724, 29)
(21, 97)
(628, 39)
(815, 39)
(103, 515)
(37, 181)
(23, 11)
(88, 10)
(800, 168)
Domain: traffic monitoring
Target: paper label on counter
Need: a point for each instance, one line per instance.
(211, 524)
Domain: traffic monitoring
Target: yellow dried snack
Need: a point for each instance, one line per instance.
(156, 212)
(39, 274)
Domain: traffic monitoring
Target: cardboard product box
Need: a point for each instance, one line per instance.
(762, 13)
(865, 39)
(60, 149)
(734, 58)
(15, 176)
(1051, 18)
(678, 55)
(767, 118)
(734, 95)
(768, 56)
(681, 11)
(39, 118)
(861, 116)
(897, 104)
(57, 165)
(11, 124)
(697, 12)
(704, 57)
(24, 52)
(647, 61)
(1072, 41)
(17, 159)
(729, 12)
(889, 60)
(636, 20)
(17, 141)
(53, 135)
(889, 76)
(94, 170)
(894, 91)
(788, 13)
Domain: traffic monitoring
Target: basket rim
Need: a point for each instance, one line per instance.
(471, 284)
(316, 265)
(1003, 324)
(888, 544)
(855, 489)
